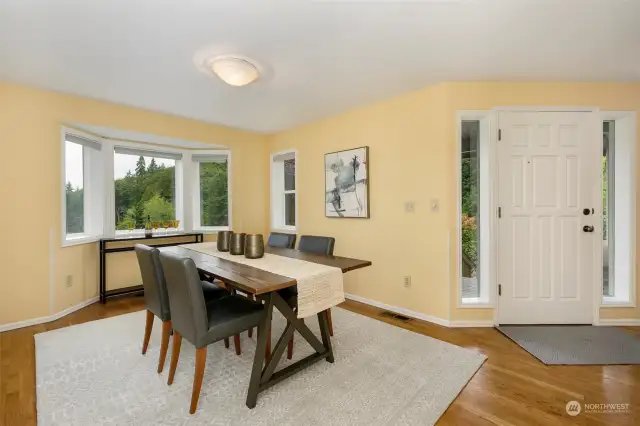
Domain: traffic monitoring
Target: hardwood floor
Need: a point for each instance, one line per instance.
(511, 388)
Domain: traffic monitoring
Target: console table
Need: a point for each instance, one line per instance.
(105, 294)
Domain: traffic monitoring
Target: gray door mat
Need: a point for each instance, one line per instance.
(576, 344)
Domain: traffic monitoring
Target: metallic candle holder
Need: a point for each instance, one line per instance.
(237, 243)
(254, 246)
(223, 240)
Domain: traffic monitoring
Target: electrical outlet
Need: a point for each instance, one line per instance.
(407, 281)
(69, 280)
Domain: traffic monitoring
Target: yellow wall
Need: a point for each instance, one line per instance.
(480, 96)
(412, 151)
(409, 160)
(30, 176)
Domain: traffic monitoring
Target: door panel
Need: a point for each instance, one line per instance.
(548, 173)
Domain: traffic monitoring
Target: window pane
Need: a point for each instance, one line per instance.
(289, 175)
(144, 186)
(470, 236)
(74, 176)
(214, 198)
(290, 209)
(608, 191)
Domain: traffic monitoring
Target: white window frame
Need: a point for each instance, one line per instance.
(278, 193)
(624, 214)
(149, 151)
(486, 158)
(93, 188)
(99, 187)
(193, 175)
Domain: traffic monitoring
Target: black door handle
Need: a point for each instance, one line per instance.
(587, 228)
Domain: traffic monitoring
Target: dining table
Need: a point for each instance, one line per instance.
(263, 285)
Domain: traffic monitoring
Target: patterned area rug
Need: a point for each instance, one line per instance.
(94, 374)
(576, 344)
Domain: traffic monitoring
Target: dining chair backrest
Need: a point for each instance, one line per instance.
(317, 245)
(278, 239)
(188, 309)
(155, 288)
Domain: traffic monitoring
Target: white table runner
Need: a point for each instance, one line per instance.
(319, 286)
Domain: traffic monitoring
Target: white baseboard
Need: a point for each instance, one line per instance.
(42, 320)
(472, 323)
(620, 322)
(418, 315)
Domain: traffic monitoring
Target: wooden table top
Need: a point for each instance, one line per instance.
(257, 281)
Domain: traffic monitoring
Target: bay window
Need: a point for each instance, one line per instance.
(110, 187)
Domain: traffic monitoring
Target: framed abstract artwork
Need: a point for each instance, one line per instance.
(346, 188)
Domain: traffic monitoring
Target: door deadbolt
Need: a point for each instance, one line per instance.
(586, 212)
(588, 228)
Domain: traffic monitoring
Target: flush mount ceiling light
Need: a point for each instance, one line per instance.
(234, 71)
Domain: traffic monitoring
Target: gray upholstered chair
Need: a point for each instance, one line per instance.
(157, 300)
(198, 322)
(278, 239)
(316, 245)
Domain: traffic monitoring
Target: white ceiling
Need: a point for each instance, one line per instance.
(322, 56)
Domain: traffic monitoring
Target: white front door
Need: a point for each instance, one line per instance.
(548, 174)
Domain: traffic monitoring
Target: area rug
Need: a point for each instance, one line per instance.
(576, 344)
(94, 374)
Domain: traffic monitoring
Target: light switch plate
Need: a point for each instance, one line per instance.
(435, 205)
(409, 207)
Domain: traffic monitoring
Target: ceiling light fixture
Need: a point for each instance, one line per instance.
(234, 71)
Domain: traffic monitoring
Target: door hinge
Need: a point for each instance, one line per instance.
(499, 289)
(499, 134)
(499, 212)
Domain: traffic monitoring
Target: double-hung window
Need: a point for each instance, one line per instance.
(211, 195)
(82, 196)
(283, 191)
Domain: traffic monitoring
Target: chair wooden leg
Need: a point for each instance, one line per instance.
(166, 330)
(147, 331)
(330, 322)
(201, 359)
(175, 354)
(236, 343)
(226, 342)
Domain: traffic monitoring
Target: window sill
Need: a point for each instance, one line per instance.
(211, 229)
(286, 230)
(474, 303)
(80, 239)
(613, 302)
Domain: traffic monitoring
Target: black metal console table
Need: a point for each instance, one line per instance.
(104, 250)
